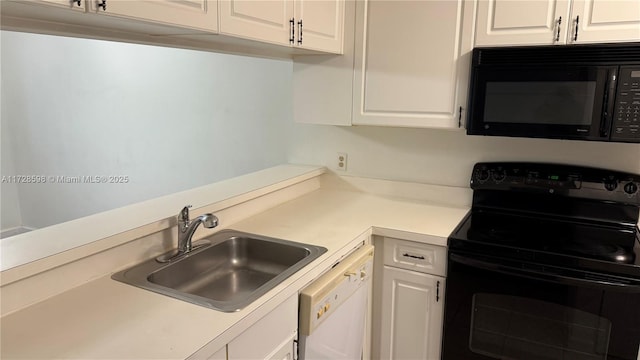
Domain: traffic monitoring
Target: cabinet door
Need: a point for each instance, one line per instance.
(194, 14)
(605, 21)
(411, 62)
(271, 337)
(78, 5)
(412, 312)
(319, 24)
(263, 20)
(531, 22)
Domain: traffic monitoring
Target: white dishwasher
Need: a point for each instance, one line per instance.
(333, 310)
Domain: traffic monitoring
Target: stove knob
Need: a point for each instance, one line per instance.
(610, 184)
(630, 188)
(482, 175)
(499, 176)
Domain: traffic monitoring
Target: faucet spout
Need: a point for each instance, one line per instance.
(186, 229)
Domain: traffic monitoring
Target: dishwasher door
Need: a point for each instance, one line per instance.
(333, 310)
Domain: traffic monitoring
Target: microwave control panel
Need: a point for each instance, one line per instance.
(626, 115)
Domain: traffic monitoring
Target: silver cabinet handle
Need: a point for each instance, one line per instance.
(300, 32)
(102, 4)
(292, 28)
(78, 2)
(575, 34)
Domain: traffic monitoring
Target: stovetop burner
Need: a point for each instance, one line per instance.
(559, 237)
(551, 214)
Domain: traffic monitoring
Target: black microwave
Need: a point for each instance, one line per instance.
(579, 92)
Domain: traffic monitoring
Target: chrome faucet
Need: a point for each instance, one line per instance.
(186, 228)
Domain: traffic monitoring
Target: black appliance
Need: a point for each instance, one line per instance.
(580, 92)
(546, 265)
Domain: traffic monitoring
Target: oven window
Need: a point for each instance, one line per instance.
(495, 313)
(512, 327)
(540, 102)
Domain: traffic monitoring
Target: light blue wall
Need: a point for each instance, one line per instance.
(169, 119)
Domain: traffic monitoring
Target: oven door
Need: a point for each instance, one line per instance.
(497, 310)
(555, 101)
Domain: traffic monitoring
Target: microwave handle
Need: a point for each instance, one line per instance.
(607, 103)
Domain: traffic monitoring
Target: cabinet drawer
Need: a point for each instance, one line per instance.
(424, 258)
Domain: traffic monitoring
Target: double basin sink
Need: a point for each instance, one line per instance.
(227, 271)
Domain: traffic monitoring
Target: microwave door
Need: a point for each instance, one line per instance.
(541, 102)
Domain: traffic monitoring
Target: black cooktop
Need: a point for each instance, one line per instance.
(573, 217)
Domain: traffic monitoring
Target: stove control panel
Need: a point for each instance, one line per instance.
(563, 180)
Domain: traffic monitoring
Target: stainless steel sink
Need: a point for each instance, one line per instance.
(227, 274)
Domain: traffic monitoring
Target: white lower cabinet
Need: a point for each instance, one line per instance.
(410, 306)
(412, 315)
(272, 337)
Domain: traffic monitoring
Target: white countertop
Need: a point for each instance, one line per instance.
(107, 319)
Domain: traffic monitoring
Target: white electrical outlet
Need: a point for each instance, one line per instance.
(342, 161)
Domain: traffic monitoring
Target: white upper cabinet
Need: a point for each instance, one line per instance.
(193, 14)
(412, 62)
(508, 22)
(309, 24)
(263, 20)
(605, 21)
(540, 22)
(320, 24)
(78, 5)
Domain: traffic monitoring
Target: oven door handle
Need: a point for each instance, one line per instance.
(609, 284)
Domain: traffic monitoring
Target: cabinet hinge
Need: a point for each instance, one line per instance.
(437, 291)
(460, 117)
(292, 28)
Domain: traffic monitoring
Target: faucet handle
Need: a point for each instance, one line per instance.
(183, 216)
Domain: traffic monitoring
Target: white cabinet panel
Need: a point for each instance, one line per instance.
(78, 5)
(269, 338)
(219, 355)
(605, 20)
(322, 24)
(195, 14)
(310, 24)
(539, 22)
(411, 63)
(264, 20)
(412, 315)
(506, 22)
(322, 84)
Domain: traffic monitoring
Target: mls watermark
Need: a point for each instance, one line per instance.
(65, 179)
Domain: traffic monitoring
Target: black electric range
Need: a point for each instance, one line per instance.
(546, 265)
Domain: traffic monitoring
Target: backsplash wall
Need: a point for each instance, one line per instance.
(439, 156)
